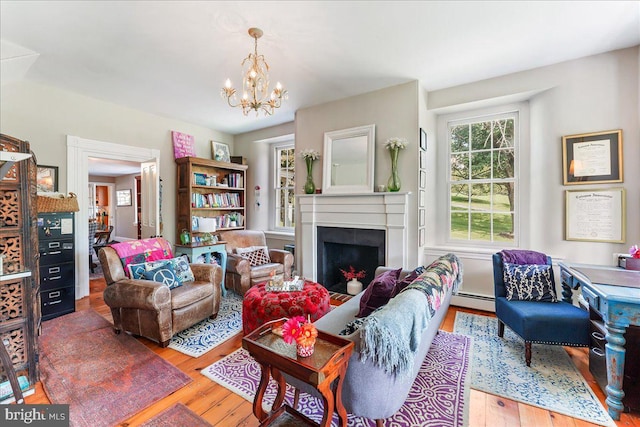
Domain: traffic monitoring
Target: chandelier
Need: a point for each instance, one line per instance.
(255, 84)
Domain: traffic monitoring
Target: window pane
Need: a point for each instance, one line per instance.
(460, 225)
(503, 197)
(480, 135)
(459, 138)
(481, 165)
(503, 161)
(480, 197)
(503, 133)
(459, 166)
(481, 226)
(459, 197)
(503, 227)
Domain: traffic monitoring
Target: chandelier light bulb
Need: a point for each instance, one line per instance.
(255, 83)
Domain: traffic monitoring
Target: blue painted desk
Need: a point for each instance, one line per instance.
(615, 294)
(194, 251)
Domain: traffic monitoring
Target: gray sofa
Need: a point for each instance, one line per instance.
(369, 390)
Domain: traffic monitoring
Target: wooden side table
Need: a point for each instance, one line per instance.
(195, 250)
(328, 362)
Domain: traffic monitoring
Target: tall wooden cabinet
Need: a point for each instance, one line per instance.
(210, 189)
(19, 281)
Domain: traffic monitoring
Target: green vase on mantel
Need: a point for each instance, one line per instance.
(309, 186)
(394, 180)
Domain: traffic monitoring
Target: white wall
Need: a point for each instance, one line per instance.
(596, 93)
(253, 147)
(45, 115)
(394, 111)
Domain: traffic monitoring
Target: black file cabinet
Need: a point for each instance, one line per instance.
(57, 263)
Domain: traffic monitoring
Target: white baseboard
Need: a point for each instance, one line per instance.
(478, 302)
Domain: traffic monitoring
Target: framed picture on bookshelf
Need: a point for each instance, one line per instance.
(220, 152)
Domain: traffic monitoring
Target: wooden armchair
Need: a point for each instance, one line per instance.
(245, 264)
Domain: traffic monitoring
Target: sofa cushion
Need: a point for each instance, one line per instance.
(406, 280)
(379, 292)
(180, 265)
(529, 282)
(257, 255)
(145, 250)
(190, 293)
(182, 268)
(164, 274)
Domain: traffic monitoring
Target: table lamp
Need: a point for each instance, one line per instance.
(206, 226)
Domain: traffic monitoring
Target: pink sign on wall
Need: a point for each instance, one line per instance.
(182, 145)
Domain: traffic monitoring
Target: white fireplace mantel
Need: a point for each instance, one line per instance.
(382, 211)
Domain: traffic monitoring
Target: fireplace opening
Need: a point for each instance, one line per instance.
(342, 248)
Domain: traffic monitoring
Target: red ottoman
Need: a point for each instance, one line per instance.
(260, 306)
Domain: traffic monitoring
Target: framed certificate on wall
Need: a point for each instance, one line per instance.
(592, 158)
(595, 215)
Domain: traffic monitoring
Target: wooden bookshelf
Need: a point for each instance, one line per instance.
(210, 189)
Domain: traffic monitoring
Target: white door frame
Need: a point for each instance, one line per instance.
(78, 152)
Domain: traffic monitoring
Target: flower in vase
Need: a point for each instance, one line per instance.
(300, 330)
(395, 142)
(352, 274)
(310, 153)
(634, 251)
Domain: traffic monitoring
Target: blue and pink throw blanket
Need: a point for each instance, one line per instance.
(391, 335)
(145, 250)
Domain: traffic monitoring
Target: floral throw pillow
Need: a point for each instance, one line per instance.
(529, 282)
(257, 255)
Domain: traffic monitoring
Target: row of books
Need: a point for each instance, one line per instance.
(215, 200)
(235, 180)
(232, 219)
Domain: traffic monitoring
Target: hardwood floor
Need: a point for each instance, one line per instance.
(222, 408)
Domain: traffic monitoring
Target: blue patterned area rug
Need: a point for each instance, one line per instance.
(204, 336)
(552, 382)
(439, 396)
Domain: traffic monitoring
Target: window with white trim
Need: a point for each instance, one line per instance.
(482, 179)
(284, 187)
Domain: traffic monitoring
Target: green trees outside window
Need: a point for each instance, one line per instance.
(482, 181)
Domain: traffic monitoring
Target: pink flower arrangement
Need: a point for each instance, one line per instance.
(300, 330)
(634, 251)
(352, 274)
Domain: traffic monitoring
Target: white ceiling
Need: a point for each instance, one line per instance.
(109, 167)
(172, 57)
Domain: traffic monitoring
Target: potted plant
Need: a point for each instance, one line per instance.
(233, 219)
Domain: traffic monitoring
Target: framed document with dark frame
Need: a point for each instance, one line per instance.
(596, 215)
(123, 198)
(47, 178)
(592, 158)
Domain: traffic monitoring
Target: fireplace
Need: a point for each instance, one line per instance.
(340, 248)
(383, 214)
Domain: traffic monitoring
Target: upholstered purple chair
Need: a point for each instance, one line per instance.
(543, 322)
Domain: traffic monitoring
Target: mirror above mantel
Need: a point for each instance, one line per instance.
(349, 160)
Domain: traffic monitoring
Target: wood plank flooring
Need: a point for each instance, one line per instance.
(223, 408)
